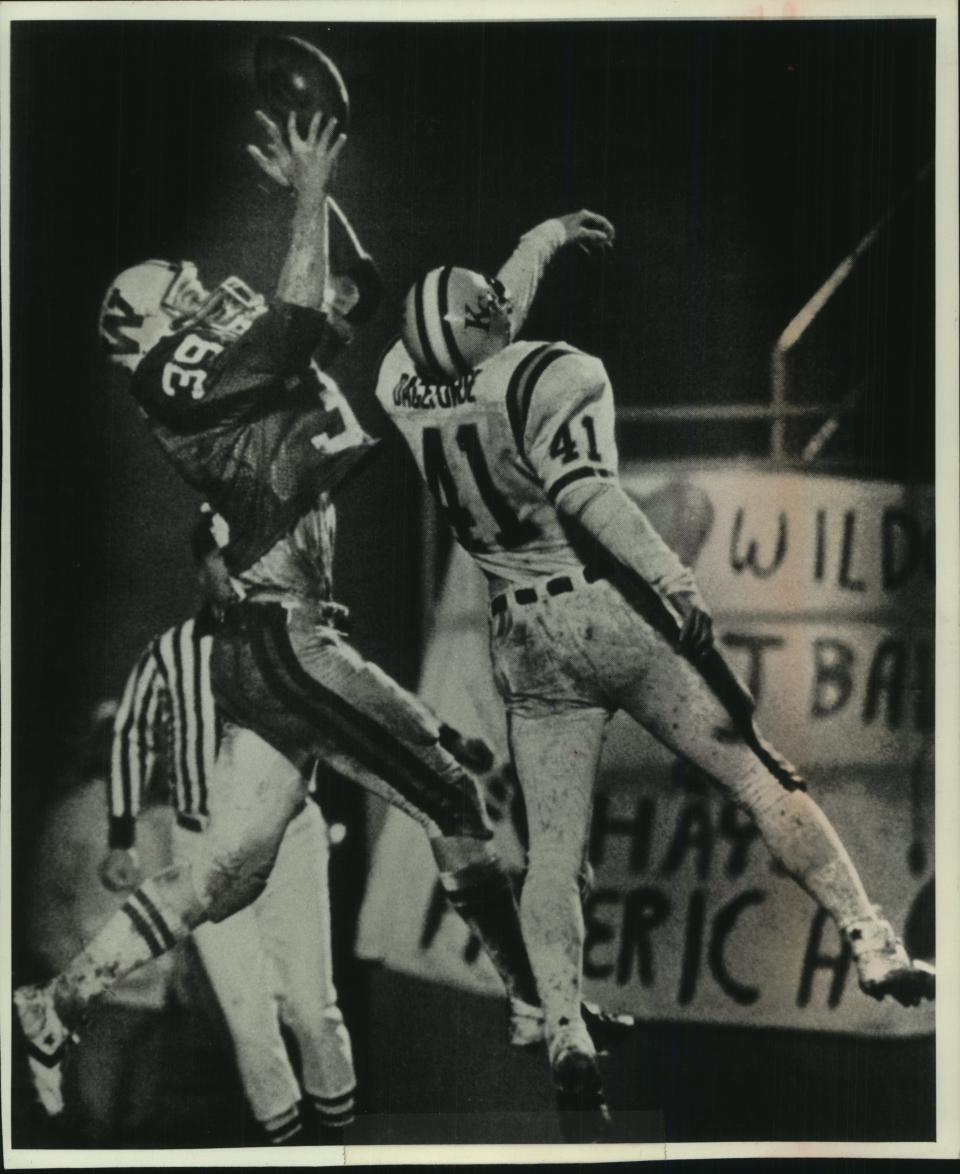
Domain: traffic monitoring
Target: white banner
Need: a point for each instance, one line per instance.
(829, 619)
(795, 544)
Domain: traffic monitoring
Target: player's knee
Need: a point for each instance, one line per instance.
(557, 854)
(311, 1022)
(755, 789)
(549, 872)
(549, 893)
(455, 854)
(332, 1015)
(233, 883)
(473, 827)
(585, 881)
(462, 829)
(230, 893)
(463, 821)
(462, 813)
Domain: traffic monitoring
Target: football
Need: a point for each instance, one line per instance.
(292, 74)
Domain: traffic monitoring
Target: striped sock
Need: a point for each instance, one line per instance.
(144, 908)
(286, 1128)
(142, 929)
(334, 1112)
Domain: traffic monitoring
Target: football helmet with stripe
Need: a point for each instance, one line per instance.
(149, 301)
(453, 320)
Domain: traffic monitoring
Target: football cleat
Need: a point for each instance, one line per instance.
(883, 965)
(47, 1042)
(581, 1103)
(605, 1027)
(526, 1028)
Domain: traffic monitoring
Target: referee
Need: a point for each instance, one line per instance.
(270, 963)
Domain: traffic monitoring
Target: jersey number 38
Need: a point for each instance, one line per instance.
(186, 372)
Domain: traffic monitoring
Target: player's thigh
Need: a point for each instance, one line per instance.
(376, 733)
(534, 655)
(350, 691)
(556, 755)
(254, 793)
(556, 718)
(353, 717)
(668, 697)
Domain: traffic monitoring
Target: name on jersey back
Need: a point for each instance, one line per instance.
(411, 392)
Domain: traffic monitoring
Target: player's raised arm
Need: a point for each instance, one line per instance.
(522, 273)
(306, 166)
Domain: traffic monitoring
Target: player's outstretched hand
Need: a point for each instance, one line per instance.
(307, 164)
(588, 230)
(696, 635)
(120, 870)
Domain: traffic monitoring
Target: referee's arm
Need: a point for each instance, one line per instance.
(134, 750)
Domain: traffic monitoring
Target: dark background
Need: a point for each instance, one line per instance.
(740, 162)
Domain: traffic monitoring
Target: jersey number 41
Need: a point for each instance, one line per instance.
(512, 531)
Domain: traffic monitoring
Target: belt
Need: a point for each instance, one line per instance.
(191, 823)
(558, 585)
(333, 615)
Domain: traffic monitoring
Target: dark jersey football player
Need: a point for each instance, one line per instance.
(226, 382)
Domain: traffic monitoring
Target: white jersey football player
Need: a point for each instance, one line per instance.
(516, 442)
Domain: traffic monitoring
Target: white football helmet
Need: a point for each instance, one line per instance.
(453, 320)
(153, 299)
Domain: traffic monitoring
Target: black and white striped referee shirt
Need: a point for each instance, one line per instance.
(167, 710)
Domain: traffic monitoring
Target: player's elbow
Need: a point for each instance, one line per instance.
(580, 500)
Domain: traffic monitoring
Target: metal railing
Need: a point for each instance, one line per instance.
(779, 409)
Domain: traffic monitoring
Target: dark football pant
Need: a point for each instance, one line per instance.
(306, 691)
(302, 688)
(293, 691)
